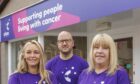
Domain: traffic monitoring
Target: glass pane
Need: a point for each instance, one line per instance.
(124, 47)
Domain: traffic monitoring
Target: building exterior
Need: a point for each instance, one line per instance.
(123, 27)
(11, 7)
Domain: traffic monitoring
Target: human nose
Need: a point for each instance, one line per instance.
(32, 54)
(64, 42)
(100, 49)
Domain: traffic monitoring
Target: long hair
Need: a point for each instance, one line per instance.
(105, 41)
(22, 66)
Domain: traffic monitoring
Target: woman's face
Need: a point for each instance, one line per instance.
(101, 55)
(32, 55)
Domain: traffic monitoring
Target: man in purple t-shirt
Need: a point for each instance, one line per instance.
(66, 66)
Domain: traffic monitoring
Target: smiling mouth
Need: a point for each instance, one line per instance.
(100, 56)
(32, 60)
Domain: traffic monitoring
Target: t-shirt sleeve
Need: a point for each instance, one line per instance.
(84, 64)
(123, 77)
(13, 79)
(49, 64)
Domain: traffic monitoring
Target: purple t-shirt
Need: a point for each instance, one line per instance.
(67, 71)
(120, 77)
(28, 78)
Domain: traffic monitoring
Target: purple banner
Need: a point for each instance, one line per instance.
(54, 14)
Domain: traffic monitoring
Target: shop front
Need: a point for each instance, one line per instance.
(43, 22)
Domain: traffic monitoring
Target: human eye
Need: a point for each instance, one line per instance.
(60, 41)
(105, 47)
(96, 47)
(68, 40)
(36, 52)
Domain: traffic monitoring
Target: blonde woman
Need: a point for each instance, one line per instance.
(30, 69)
(103, 63)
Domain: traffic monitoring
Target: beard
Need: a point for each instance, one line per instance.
(66, 52)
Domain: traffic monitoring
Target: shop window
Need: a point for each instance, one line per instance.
(124, 47)
(51, 48)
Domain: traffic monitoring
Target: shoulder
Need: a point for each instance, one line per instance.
(122, 76)
(83, 63)
(54, 59)
(14, 78)
(80, 59)
(52, 62)
(85, 72)
(15, 75)
(121, 71)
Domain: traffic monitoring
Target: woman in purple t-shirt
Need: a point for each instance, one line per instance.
(30, 69)
(103, 63)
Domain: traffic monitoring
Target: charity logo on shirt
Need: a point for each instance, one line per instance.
(67, 72)
(102, 82)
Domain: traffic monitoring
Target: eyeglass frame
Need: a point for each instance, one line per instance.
(65, 40)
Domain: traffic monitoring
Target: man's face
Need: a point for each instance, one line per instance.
(65, 43)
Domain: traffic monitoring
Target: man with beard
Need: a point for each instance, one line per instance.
(66, 66)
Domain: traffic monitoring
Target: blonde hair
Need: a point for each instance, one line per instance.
(105, 41)
(22, 65)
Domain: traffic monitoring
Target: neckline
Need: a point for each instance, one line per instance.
(104, 72)
(67, 59)
(99, 77)
(37, 74)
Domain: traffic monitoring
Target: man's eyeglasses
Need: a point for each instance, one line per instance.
(66, 40)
